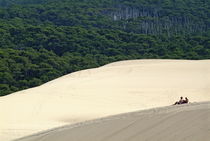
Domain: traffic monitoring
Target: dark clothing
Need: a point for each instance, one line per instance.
(181, 101)
(185, 101)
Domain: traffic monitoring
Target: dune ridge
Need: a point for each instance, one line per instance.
(161, 116)
(115, 88)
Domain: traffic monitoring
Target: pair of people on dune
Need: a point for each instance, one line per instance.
(182, 101)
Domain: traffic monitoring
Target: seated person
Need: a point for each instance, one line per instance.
(180, 101)
(185, 101)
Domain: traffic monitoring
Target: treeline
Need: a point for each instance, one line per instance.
(21, 69)
(43, 40)
(38, 60)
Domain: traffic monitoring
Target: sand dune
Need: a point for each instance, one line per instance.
(112, 89)
(189, 122)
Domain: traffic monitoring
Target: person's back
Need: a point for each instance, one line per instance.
(181, 100)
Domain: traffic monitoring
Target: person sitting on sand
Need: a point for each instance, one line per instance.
(180, 101)
(185, 101)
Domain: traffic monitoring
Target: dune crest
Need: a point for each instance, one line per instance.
(189, 122)
(115, 88)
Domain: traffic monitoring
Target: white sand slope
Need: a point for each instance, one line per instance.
(189, 122)
(112, 89)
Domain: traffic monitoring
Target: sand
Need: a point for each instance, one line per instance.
(189, 122)
(115, 88)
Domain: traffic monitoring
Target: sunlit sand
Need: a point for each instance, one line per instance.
(115, 88)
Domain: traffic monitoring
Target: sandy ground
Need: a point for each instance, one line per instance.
(112, 89)
(189, 122)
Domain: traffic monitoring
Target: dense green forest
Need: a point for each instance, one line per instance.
(41, 40)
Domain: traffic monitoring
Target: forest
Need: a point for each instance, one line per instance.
(41, 40)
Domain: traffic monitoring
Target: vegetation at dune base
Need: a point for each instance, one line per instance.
(41, 40)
